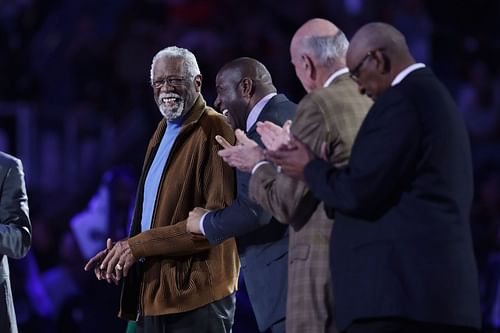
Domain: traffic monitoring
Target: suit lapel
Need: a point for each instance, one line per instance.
(264, 115)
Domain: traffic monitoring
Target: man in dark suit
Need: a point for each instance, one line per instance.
(246, 94)
(402, 258)
(331, 112)
(15, 232)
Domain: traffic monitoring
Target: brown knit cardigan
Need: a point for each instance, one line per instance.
(177, 272)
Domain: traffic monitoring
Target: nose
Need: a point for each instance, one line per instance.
(167, 88)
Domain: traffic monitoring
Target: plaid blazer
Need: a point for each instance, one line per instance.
(332, 115)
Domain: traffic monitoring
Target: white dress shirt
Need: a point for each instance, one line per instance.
(404, 73)
(335, 74)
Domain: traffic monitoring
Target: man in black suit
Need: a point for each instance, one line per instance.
(15, 232)
(246, 94)
(401, 249)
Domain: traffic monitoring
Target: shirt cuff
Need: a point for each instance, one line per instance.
(256, 166)
(201, 223)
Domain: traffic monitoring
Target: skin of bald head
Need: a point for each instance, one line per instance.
(377, 54)
(240, 84)
(317, 50)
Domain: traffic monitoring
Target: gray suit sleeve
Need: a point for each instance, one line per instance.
(15, 225)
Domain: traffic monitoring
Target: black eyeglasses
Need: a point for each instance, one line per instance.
(173, 81)
(355, 71)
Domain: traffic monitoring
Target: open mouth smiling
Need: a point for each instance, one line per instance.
(170, 99)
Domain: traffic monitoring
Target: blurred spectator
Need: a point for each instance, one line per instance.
(486, 228)
(413, 20)
(479, 100)
(108, 212)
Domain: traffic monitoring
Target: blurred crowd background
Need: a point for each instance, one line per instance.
(76, 106)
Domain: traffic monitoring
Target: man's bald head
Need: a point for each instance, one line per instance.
(324, 45)
(377, 54)
(316, 27)
(241, 84)
(322, 40)
(250, 68)
(379, 36)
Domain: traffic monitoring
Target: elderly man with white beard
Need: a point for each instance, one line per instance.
(174, 281)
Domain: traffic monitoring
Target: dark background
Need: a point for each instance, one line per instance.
(77, 108)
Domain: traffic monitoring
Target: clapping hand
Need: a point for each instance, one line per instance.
(273, 136)
(244, 155)
(293, 158)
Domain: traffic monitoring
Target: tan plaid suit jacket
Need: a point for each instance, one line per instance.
(332, 115)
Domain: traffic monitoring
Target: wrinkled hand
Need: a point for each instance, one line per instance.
(273, 136)
(244, 155)
(293, 158)
(193, 220)
(95, 262)
(118, 261)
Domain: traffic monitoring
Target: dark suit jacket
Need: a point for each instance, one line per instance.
(401, 244)
(262, 241)
(15, 232)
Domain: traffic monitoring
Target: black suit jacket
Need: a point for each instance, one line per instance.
(15, 232)
(401, 243)
(262, 241)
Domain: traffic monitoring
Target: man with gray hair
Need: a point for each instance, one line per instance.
(330, 113)
(174, 281)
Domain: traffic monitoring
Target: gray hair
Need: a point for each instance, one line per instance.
(327, 50)
(190, 63)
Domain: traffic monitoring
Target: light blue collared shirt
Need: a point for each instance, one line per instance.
(156, 171)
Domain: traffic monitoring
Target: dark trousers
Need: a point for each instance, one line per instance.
(215, 317)
(397, 325)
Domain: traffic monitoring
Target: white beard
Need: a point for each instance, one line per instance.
(171, 110)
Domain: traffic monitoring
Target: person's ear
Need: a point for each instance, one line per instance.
(309, 67)
(247, 87)
(383, 61)
(197, 82)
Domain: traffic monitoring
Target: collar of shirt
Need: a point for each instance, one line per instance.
(335, 75)
(404, 73)
(257, 109)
